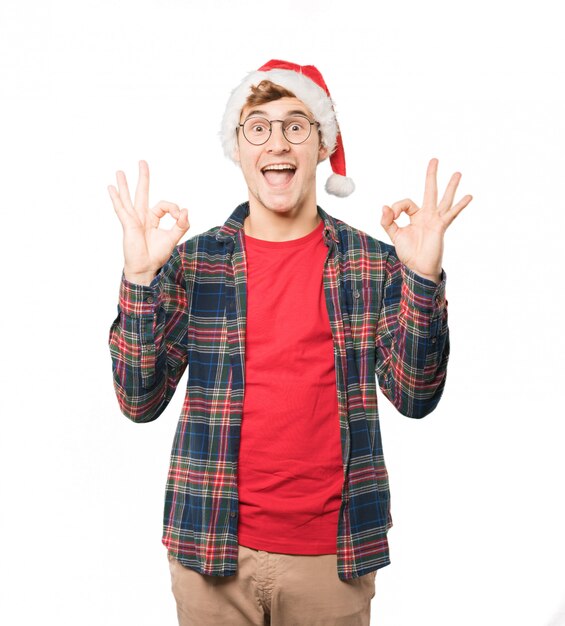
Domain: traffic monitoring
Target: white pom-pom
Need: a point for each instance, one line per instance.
(340, 186)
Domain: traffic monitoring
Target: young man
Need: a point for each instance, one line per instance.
(277, 499)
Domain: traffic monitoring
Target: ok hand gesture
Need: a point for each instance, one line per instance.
(146, 247)
(420, 244)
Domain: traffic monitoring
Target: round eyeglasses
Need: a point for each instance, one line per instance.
(295, 128)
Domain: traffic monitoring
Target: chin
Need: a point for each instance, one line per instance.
(280, 207)
(277, 204)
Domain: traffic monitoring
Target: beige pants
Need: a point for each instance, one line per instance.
(273, 589)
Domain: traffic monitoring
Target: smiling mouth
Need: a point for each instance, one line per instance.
(278, 175)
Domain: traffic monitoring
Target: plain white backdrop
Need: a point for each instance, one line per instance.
(87, 88)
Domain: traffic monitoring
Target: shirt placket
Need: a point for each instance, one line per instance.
(331, 280)
(236, 306)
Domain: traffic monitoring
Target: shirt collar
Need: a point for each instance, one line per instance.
(235, 221)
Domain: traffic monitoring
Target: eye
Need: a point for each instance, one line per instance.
(256, 126)
(296, 125)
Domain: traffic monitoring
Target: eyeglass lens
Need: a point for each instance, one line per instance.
(296, 129)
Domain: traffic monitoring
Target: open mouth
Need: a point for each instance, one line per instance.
(279, 174)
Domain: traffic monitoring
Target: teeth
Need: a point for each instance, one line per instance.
(281, 166)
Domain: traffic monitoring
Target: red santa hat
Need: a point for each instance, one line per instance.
(308, 85)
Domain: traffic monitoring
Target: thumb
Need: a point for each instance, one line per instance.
(387, 222)
(182, 224)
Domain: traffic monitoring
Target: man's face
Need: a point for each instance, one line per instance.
(283, 190)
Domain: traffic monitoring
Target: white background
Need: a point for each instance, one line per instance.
(87, 88)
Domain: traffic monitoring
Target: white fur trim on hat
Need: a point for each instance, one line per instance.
(313, 96)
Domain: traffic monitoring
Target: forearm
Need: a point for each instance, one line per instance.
(413, 344)
(146, 345)
(140, 384)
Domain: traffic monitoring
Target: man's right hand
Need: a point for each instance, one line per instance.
(146, 247)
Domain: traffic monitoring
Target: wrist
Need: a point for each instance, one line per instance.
(139, 278)
(435, 278)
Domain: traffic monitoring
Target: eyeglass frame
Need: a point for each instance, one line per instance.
(270, 122)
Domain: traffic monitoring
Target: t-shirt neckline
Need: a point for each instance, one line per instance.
(290, 243)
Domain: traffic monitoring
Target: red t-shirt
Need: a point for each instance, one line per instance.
(290, 462)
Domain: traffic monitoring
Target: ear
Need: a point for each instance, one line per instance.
(323, 153)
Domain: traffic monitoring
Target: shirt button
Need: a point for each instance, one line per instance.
(233, 514)
(434, 339)
(149, 300)
(356, 293)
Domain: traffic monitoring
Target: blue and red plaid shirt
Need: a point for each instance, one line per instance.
(388, 324)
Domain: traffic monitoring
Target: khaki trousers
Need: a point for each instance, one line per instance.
(273, 589)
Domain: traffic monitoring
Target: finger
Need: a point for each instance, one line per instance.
(183, 222)
(141, 201)
(180, 227)
(407, 206)
(115, 197)
(119, 208)
(160, 210)
(124, 190)
(164, 207)
(430, 191)
(455, 210)
(387, 222)
(449, 194)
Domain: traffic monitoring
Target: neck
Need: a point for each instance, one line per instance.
(269, 225)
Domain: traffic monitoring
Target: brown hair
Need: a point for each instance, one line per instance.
(266, 91)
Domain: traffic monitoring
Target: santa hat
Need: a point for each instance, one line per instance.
(308, 85)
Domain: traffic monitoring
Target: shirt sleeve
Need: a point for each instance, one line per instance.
(148, 342)
(412, 345)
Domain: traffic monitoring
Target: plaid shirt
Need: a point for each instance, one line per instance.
(386, 322)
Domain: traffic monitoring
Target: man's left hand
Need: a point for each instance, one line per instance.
(419, 245)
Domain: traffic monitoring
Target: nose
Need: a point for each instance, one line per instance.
(277, 142)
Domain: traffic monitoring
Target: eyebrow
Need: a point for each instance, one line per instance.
(260, 112)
